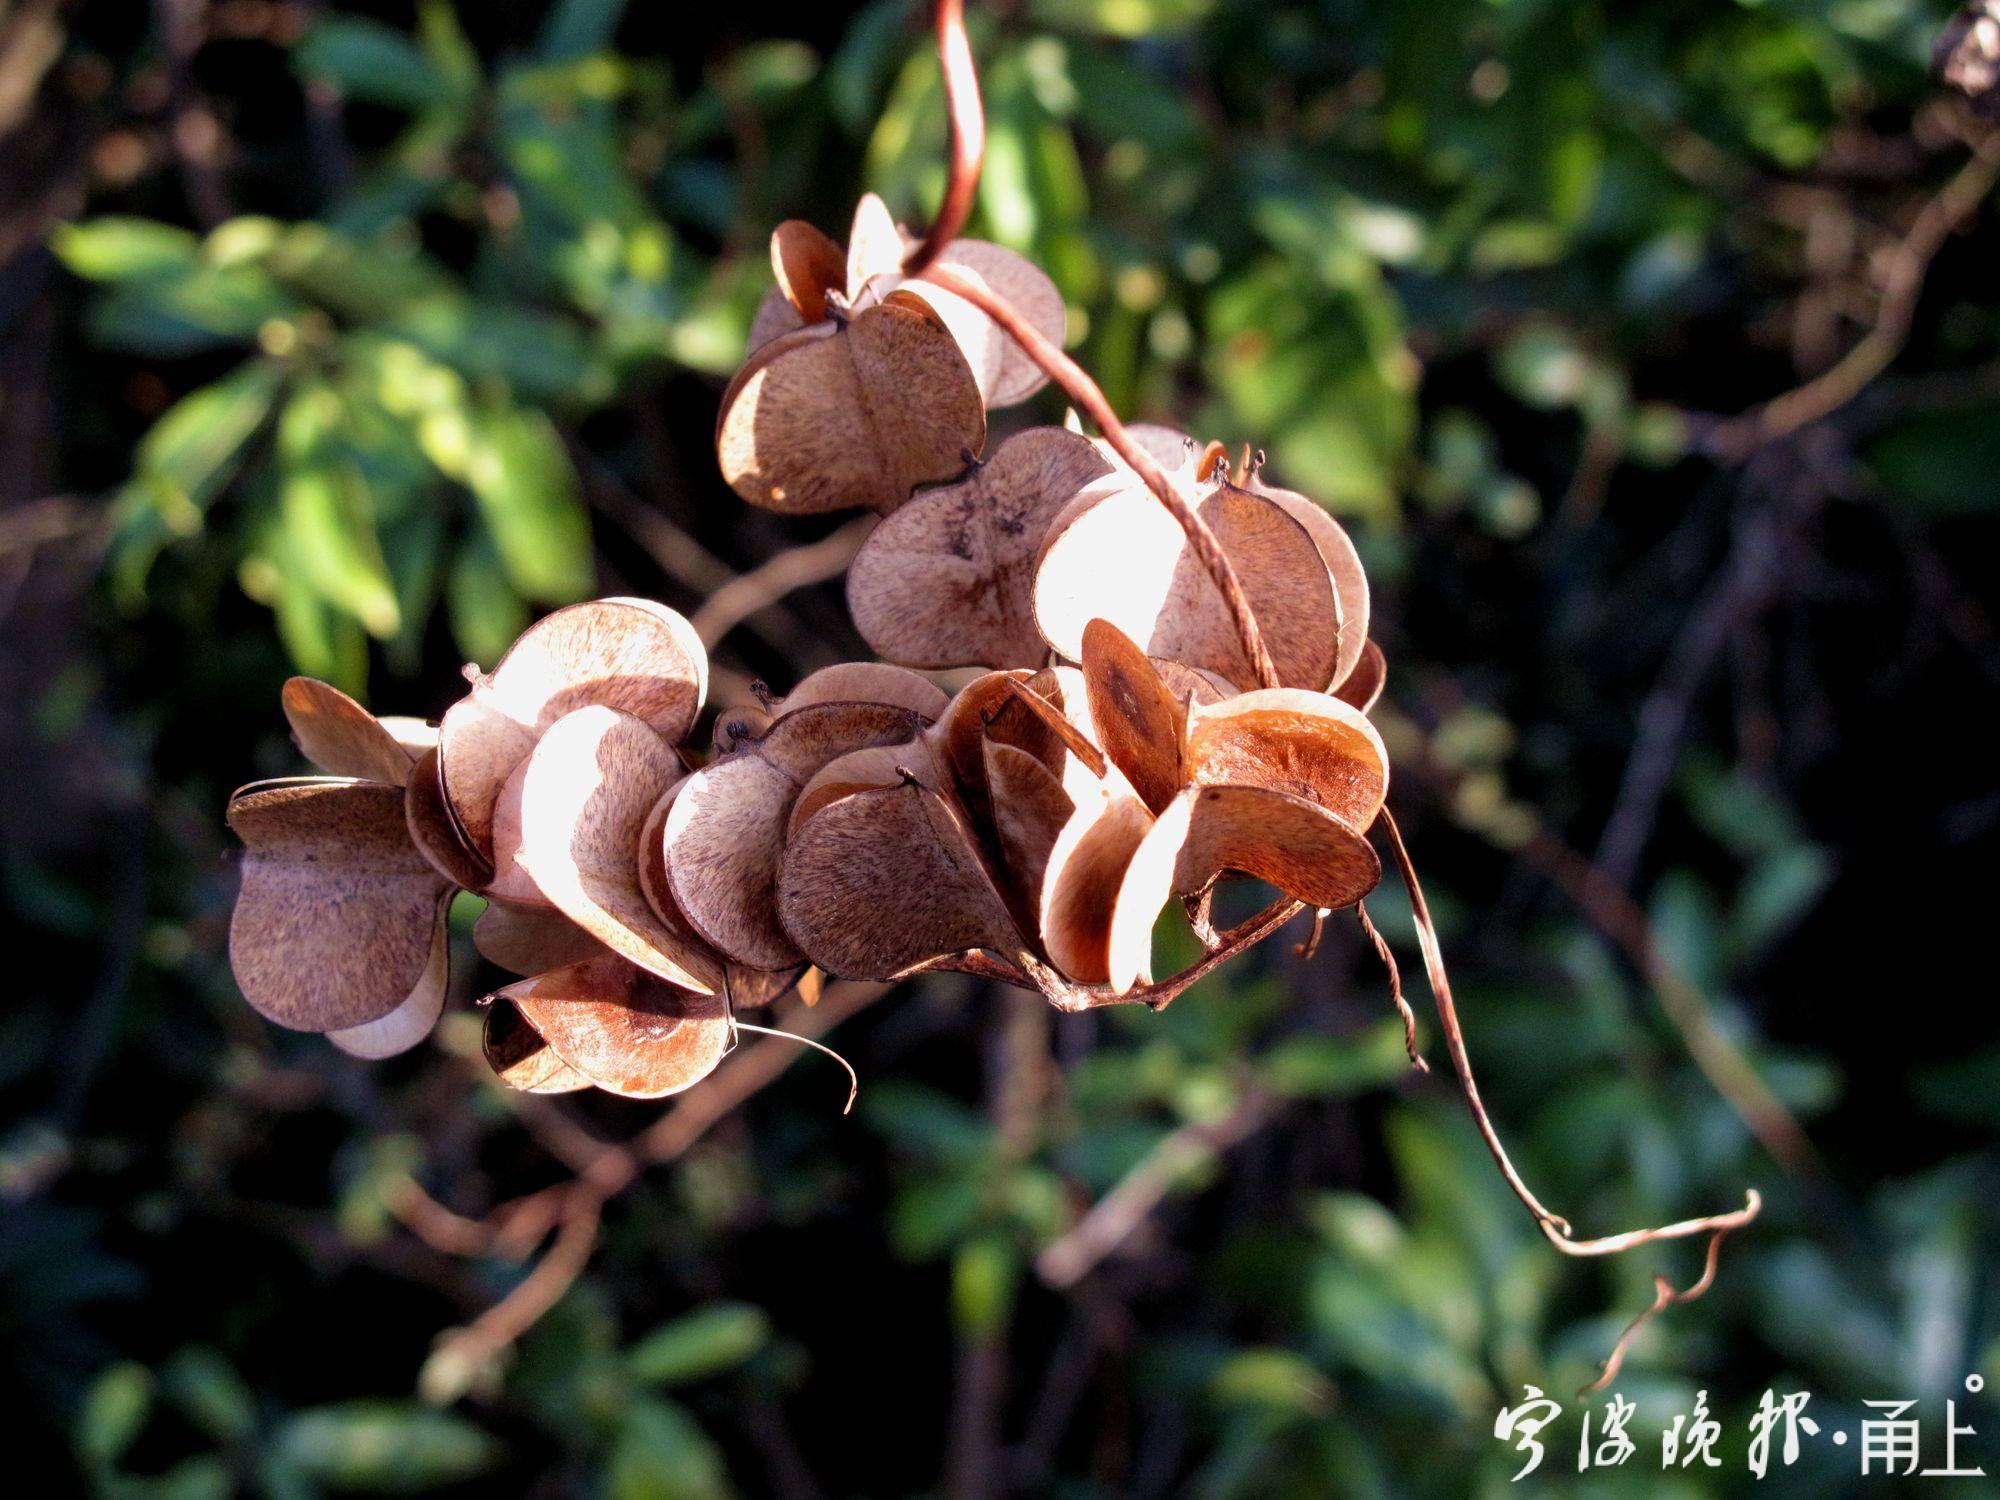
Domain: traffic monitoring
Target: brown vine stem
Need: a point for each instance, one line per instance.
(968, 151)
(1553, 1226)
(1664, 1297)
(1903, 285)
(968, 135)
(1091, 401)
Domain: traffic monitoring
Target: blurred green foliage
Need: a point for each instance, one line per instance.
(1478, 275)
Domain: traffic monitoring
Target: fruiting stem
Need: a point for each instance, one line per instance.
(968, 151)
(1554, 1227)
(1090, 400)
(968, 135)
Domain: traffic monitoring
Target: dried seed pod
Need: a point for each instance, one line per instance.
(335, 924)
(948, 580)
(626, 1030)
(881, 881)
(864, 682)
(1350, 579)
(413, 1020)
(808, 265)
(726, 829)
(838, 415)
(531, 942)
(418, 737)
(876, 245)
(743, 985)
(1116, 553)
(511, 882)
(1287, 841)
(340, 736)
(1363, 686)
(1006, 373)
(593, 779)
(1290, 741)
(516, 1052)
(1029, 812)
(632, 655)
(1139, 723)
(1097, 911)
(874, 270)
(862, 770)
(435, 832)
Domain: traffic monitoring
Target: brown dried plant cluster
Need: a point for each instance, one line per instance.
(1111, 752)
(1116, 672)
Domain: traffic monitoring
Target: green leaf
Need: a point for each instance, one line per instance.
(577, 28)
(1279, 1381)
(207, 1389)
(382, 1448)
(1940, 462)
(325, 508)
(367, 60)
(190, 452)
(704, 1343)
(114, 1410)
(661, 1454)
(529, 501)
(1317, 1066)
(984, 1274)
(124, 249)
(208, 307)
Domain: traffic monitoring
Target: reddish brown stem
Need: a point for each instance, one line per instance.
(1553, 1225)
(968, 151)
(1664, 1297)
(1090, 400)
(968, 135)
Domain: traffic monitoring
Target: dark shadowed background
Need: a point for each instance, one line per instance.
(1692, 716)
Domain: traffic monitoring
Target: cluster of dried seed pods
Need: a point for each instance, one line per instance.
(1114, 750)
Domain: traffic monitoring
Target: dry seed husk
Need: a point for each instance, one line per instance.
(531, 942)
(959, 736)
(1307, 744)
(340, 736)
(511, 882)
(744, 986)
(1029, 812)
(1363, 686)
(334, 924)
(1005, 372)
(1284, 840)
(1139, 723)
(1116, 553)
(593, 779)
(416, 736)
(413, 1020)
(626, 1030)
(863, 770)
(1083, 892)
(887, 879)
(808, 265)
(435, 832)
(836, 416)
(1191, 684)
(516, 1052)
(948, 580)
(875, 245)
(1350, 579)
(865, 682)
(726, 829)
(632, 655)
